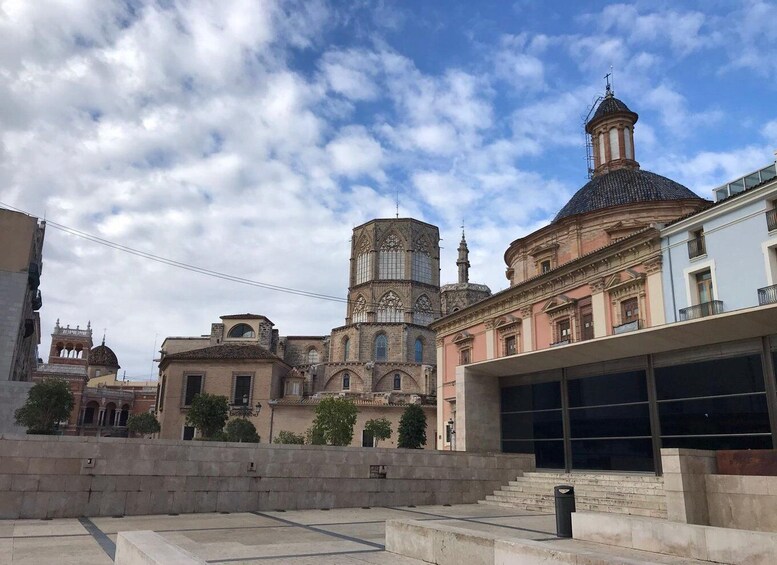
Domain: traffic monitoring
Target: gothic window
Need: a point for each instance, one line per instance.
(312, 357)
(397, 381)
(359, 312)
(346, 348)
(242, 331)
(381, 347)
(363, 268)
(346, 381)
(391, 260)
(423, 313)
(422, 266)
(390, 308)
(419, 351)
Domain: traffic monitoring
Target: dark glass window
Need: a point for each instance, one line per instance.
(548, 454)
(629, 310)
(188, 432)
(628, 454)
(510, 345)
(346, 349)
(710, 416)
(346, 381)
(381, 348)
(242, 389)
(719, 442)
(89, 415)
(710, 378)
(543, 396)
(610, 421)
(419, 351)
(242, 331)
(397, 381)
(162, 394)
(193, 388)
(533, 425)
(618, 388)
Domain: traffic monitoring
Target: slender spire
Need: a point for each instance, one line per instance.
(463, 261)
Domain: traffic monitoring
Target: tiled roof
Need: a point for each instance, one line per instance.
(223, 351)
(104, 356)
(609, 105)
(243, 317)
(623, 186)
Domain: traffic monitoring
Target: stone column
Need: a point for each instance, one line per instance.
(490, 339)
(526, 329)
(655, 292)
(598, 307)
(685, 484)
(440, 396)
(478, 426)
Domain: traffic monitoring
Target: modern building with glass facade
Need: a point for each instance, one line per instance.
(592, 360)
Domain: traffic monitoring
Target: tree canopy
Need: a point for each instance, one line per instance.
(143, 424)
(48, 403)
(334, 421)
(412, 428)
(208, 413)
(241, 430)
(289, 438)
(379, 429)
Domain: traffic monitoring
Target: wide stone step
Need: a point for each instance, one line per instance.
(583, 490)
(588, 481)
(549, 509)
(647, 478)
(548, 501)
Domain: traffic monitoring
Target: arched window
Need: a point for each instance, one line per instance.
(391, 260)
(346, 349)
(419, 351)
(602, 156)
(381, 347)
(359, 312)
(363, 268)
(312, 357)
(422, 313)
(390, 308)
(628, 143)
(242, 331)
(422, 262)
(397, 381)
(346, 381)
(615, 148)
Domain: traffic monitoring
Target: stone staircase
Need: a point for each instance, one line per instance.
(636, 494)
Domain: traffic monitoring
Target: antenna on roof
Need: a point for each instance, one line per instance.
(397, 200)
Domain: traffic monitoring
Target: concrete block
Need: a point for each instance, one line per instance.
(149, 548)
(52, 483)
(161, 502)
(14, 465)
(726, 545)
(25, 483)
(205, 501)
(113, 503)
(42, 466)
(408, 538)
(137, 504)
(66, 504)
(10, 505)
(34, 505)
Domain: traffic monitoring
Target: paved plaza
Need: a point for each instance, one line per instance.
(321, 537)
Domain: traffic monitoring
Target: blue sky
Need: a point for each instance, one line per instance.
(249, 137)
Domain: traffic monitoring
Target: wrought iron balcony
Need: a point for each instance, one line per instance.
(767, 295)
(696, 247)
(37, 301)
(701, 310)
(771, 219)
(627, 327)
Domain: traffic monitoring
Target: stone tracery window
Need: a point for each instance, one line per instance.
(390, 308)
(422, 261)
(359, 312)
(381, 347)
(423, 313)
(313, 357)
(391, 260)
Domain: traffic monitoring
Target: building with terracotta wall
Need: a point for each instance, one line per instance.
(593, 272)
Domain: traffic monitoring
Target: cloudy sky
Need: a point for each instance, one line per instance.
(249, 137)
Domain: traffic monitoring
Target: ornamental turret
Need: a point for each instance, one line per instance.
(463, 261)
(612, 135)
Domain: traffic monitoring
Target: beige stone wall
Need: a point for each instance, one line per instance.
(295, 349)
(298, 419)
(218, 379)
(742, 502)
(64, 477)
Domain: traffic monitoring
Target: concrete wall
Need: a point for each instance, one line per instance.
(13, 293)
(45, 476)
(13, 394)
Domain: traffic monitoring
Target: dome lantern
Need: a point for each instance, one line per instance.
(612, 135)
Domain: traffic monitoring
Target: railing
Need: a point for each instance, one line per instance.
(767, 295)
(771, 219)
(746, 182)
(627, 327)
(37, 300)
(696, 247)
(701, 310)
(562, 342)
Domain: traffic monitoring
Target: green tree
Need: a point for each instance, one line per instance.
(315, 436)
(143, 424)
(335, 418)
(241, 430)
(48, 402)
(289, 438)
(208, 413)
(379, 428)
(412, 428)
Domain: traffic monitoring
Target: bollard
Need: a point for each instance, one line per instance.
(564, 496)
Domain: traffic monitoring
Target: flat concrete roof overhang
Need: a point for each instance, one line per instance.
(730, 326)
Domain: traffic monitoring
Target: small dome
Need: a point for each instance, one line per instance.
(623, 186)
(610, 105)
(103, 356)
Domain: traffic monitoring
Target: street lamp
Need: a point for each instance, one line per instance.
(246, 410)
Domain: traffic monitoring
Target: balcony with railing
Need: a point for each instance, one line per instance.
(565, 341)
(771, 219)
(701, 310)
(767, 295)
(696, 247)
(631, 326)
(746, 182)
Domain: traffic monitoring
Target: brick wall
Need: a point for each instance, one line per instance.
(63, 477)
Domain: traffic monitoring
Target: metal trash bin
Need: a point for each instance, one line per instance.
(564, 497)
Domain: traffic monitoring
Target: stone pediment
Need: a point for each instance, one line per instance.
(558, 303)
(543, 249)
(506, 322)
(463, 337)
